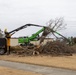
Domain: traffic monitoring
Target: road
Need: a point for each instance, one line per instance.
(38, 69)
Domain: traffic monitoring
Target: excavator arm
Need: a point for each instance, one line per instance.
(22, 27)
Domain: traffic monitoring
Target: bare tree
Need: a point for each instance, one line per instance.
(57, 24)
(53, 27)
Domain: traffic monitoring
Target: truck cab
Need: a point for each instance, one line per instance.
(3, 46)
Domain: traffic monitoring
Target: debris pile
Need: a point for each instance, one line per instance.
(23, 50)
(56, 48)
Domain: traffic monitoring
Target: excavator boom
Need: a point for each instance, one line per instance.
(24, 26)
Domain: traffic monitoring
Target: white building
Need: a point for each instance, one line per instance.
(14, 41)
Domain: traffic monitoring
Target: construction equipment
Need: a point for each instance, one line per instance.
(25, 41)
(5, 42)
(3, 45)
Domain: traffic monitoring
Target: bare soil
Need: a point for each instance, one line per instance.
(68, 62)
(9, 71)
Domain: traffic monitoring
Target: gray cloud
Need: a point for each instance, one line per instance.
(14, 13)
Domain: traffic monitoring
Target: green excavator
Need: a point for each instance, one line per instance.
(25, 41)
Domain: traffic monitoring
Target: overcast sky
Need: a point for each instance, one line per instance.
(15, 13)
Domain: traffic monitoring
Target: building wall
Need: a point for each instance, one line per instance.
(14, 41)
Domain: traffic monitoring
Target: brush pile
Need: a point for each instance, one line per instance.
(56, 48)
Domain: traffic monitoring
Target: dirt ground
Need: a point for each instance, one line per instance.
(68, 62)
(9, 71)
